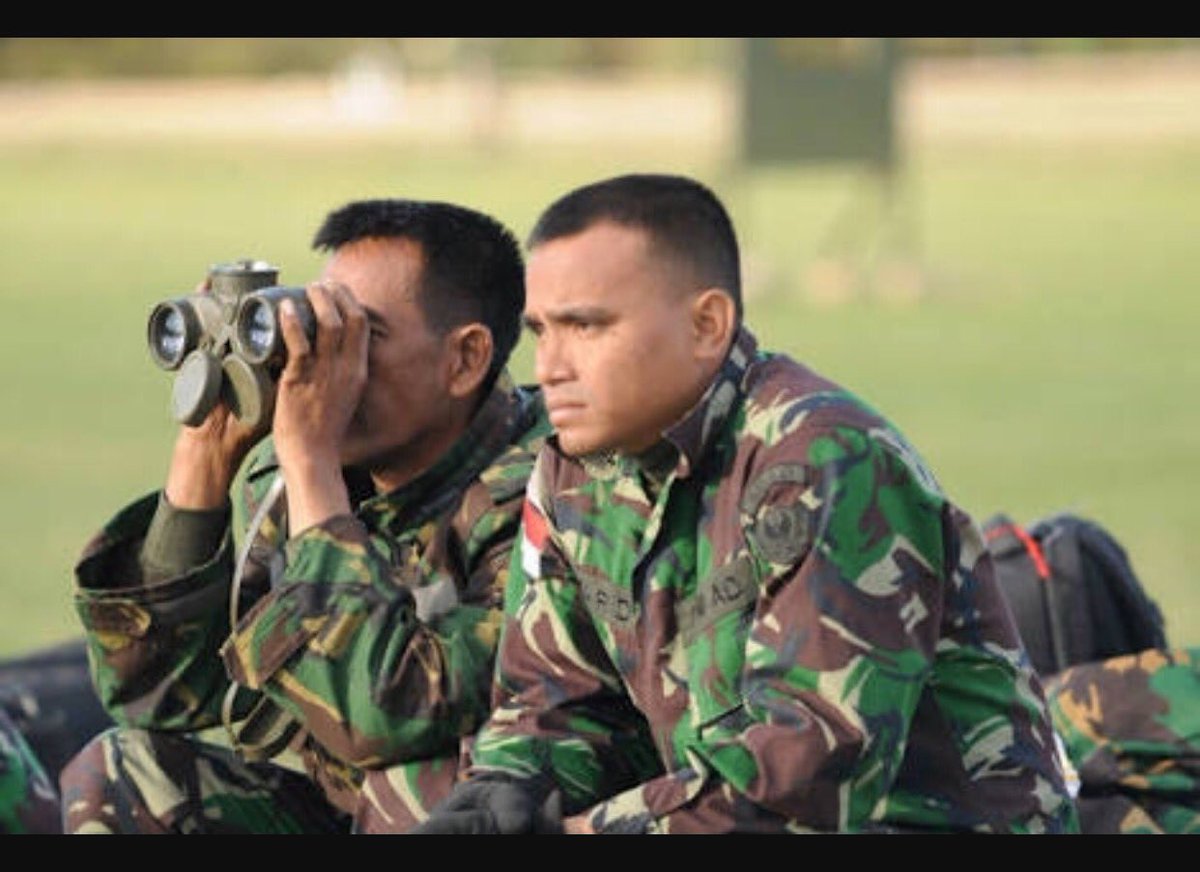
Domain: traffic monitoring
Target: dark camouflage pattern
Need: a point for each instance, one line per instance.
(28, 800)
(773, 621)
(398, 798)
(1131, 725)
(376, 632)
(149, 782)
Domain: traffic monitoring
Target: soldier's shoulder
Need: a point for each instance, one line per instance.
(793, 414)
(792, 396)
(787, 406)
(506, 477)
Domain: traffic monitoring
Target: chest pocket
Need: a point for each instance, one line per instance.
(714, 624)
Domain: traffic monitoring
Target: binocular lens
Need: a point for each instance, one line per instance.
(170, 338)
(259, 336)
(172, 335)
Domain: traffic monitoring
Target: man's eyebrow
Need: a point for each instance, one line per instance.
(374, 318)
(574, 314)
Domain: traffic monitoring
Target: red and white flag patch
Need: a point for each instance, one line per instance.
(535, 531)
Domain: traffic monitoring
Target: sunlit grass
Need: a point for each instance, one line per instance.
(1049, 364)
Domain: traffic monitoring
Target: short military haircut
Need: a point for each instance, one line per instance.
(473, 269)
(684, 220)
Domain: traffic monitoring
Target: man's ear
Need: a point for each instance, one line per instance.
(470, 356)
(714, 321)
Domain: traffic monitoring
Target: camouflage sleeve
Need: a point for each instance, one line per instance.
(153, 640)
(559, 706)
(381, 664)
(1131, 725)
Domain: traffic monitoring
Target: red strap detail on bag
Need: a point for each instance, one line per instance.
(1031, 546)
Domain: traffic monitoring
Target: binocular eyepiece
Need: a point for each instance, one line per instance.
(257, 334)
(226, 344)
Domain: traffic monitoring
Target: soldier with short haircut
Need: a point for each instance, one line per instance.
(365, 623)
(742, 602)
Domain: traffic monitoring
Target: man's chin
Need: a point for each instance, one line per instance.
(575, 444)
(567, 445)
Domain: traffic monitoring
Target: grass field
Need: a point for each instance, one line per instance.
(1049, 363)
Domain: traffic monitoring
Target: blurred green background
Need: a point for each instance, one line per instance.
(1021, 300)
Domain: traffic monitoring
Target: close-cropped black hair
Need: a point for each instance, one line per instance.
(473, 268)
(684, 220)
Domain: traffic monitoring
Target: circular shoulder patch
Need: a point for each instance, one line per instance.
(781, 533)
(777, 517)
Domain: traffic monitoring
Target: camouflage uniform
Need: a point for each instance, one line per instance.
(376, 632)
(771, 621)
(28, 801)
(1131, 725)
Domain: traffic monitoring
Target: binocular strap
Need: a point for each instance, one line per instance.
(267, 729)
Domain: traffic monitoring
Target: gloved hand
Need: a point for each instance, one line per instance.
(495, 804)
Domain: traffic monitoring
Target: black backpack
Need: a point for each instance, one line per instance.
(1072, 591)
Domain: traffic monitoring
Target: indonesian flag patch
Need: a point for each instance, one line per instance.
(535, 531)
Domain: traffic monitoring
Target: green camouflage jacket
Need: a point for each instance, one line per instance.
(1131, 725)
(772, 621)
(28, 801)
(375, 631)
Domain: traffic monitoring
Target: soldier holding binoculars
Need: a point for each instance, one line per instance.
(345, 640)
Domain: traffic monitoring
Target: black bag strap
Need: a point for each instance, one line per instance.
(1072, 591)
(1024, 575)
(1120, 615)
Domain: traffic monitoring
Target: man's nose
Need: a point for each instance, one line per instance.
(551, 359)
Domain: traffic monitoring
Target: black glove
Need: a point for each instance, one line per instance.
(494, 804)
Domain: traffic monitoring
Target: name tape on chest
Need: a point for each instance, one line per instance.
(728, 588)
(605, 599)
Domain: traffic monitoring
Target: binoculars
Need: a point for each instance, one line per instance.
(226, 344)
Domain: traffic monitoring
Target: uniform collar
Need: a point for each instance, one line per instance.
(694, 434)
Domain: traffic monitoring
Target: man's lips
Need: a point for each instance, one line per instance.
(559, 410)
